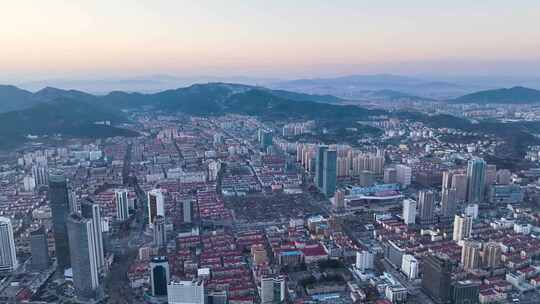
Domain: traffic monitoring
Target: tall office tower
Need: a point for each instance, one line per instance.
(91, 211)
(40, 173)
(470, 255)
(504, 177)
(319, 166)
(446, 180)
(83, 256)
(59, 202)
(459, 182)
(492, 255)
(436, 279)
(186, 292)
(187, 211)
(404, 175)
(476, 180)
(265, 138)
(426, 207)
(39, 249)
(409, 211)
(122, 205)
(8, 254)
(156, 205)
(465, 292)
(159, 276)
(272, 289)
(366, 178)
(448, 202)
(329, 173)
(462, 227)
(390, 176)
(160, 235)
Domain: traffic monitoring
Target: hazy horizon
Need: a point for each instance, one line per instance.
(304, 39)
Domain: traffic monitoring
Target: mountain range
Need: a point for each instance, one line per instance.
(75, 113)
(514, 95)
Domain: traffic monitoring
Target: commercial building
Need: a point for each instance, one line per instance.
(476, 180)
(156, 205)
(272, 289)
(465, 292)
(8, 254)
(159, 276)
(84, 262)
(409, 211)
(426, 207)
(91, 211)
(409, 266)
(186, 292)
(364, 260)
(39, 249)
(59, 203)
(122, 205)
(436, 279)
(505, 194)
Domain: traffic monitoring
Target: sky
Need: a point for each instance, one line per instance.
(272, 39)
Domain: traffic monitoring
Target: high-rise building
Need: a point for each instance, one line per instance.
(409, 266)
(159, 276)
(404, 175)
(91, 211)
(327, 168)
(409, 212)
(390, 176)
(122, 205)
(39, 249)
(272, 289)
(476, 180)
(465, 292)
(319, 166)
(187, 211)
(40, 173)
(448, 202)
(492, 255)
(338, 200)
(436, 279)
(186, 292)
(447, 180)
(160, 234)
(84, 262)
(156, 205)
(59, 202)
(364, 260)
(8, 254)
(470, 255)
(265, 138)
(459, 182)
(462, 227)
(426, 207)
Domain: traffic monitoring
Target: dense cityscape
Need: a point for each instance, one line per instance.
(233, 209)
(269, 152)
